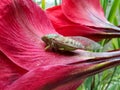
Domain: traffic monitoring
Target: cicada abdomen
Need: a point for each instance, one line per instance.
(58, 42)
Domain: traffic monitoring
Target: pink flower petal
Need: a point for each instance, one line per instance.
(20, 40)
(80, 30)
(21, 31)
(62, 76)
(72, 21)
(47, 78)
(20, 37)
(86, 12)
(9, 72)
(68, 28)
(57, 17)
(22, 24)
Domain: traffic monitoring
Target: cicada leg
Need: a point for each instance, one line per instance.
(62, 49)
(47, 47)
(50, 46)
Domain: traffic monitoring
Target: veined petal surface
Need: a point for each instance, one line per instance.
(9, 72)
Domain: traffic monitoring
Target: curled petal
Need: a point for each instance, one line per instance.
(50, 77)
(67, 27)
(80, 30)
(63, 76)
(86, 12)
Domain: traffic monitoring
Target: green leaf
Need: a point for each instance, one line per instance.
(113, 10)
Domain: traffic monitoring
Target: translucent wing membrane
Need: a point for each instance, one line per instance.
(87, 43)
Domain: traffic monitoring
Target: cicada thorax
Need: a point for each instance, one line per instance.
(68, 42)
(58, 42)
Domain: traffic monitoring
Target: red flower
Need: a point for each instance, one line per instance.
(25, 65)
(82, 18)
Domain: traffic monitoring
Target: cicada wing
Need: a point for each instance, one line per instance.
(87, 43)
(108, 46)
(66, 44)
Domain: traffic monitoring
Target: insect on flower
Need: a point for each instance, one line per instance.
(61, 43)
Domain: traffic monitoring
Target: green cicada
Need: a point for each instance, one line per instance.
(61, 43)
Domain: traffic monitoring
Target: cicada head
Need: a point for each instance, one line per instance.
(47, 38)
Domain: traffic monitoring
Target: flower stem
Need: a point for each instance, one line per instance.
(43, 4)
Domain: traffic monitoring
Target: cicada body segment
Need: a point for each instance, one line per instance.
(59, 42)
